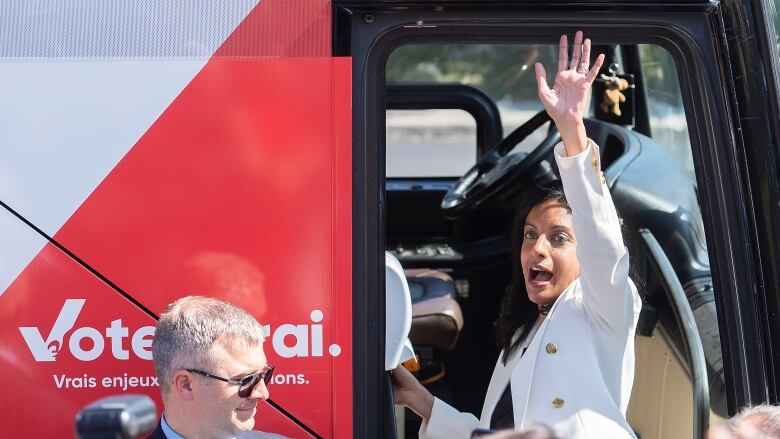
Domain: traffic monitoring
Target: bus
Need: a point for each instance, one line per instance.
(273, 153)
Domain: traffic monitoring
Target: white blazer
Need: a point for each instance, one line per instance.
(577, 373)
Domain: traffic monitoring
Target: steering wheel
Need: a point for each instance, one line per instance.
(498, 170)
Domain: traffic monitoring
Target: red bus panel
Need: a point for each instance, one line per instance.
(240, 190)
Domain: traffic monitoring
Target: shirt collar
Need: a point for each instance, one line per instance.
(169, 433)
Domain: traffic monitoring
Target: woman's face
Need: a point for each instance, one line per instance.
(549, 252)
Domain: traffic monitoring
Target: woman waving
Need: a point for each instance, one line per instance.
(567, 325)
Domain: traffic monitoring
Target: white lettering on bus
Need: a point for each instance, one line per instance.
(88, 344)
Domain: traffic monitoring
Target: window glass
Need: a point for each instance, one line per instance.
(773, 29)
(774, 7)
(668, 126)
(430, 143)
(504, 72)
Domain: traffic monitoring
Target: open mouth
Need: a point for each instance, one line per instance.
(540, 275)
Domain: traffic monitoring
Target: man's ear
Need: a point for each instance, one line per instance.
(182, 385)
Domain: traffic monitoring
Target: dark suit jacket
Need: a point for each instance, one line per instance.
(157, 433)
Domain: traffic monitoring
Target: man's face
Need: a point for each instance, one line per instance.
(219, 408)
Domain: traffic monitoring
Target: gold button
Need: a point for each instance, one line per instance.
(557, 402)
(551, 348)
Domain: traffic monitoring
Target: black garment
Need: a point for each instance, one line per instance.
(504, 414)
(157, 433)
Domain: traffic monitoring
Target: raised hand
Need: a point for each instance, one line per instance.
(565, 101)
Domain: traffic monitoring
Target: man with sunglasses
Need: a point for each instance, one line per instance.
(209, 360)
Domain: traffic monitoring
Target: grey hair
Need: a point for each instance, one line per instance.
(764, 418)
(188, 329)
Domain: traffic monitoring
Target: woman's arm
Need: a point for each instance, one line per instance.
(407, 391)
(609, 298)
(440, 421)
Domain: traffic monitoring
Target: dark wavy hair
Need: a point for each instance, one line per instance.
(517, 310)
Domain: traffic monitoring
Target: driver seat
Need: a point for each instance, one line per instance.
(436, 316)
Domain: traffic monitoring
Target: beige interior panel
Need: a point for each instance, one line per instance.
(400, 419)
(661, 404)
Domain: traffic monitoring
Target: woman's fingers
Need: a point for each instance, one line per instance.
(563, 53)
(576, 53)
(541, 80)
(585, 60)
(403, 379)
(580, 60)
(595, 69)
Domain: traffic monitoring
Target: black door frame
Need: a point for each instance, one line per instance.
(370, 32)
(751, 53)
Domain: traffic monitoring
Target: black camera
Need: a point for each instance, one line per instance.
(117, 417)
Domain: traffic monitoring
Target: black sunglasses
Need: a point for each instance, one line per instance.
(245, 384)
